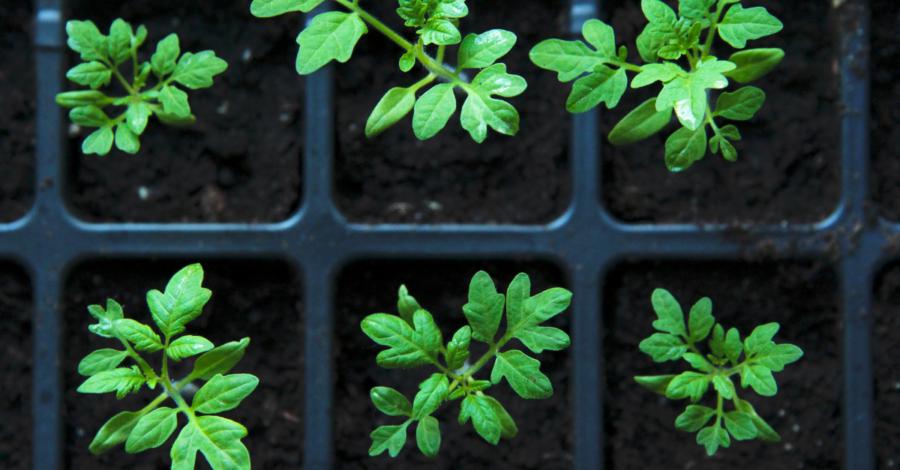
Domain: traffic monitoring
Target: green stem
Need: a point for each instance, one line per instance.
(714, 24)
(172, 391)
(719, 410)
(709, 119)
(626, 65)
(145, 368)
(115, 70)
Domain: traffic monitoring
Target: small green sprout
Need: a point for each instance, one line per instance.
(333, 35)
(102, 56)
(761, 357)
(414, 340)
(219, 439)
(671, 37)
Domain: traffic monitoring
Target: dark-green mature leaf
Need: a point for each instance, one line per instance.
(115, 431)
(406, 347)
(684, 147)
(101, 360)
(432, 393)
(663, 347)
(525, 313)
(694, 418)
(152, 430)
(330, 36)
(428, 436)
(182, 301)
(739, 25)
(482, 50)
(640, 123)
(754, 63)
(220, 360)
(390, 402)
(223, 393)
(604, 85)
(655, 383)
(484, 309)
(523, 374)
(484, 418)
(388, 438)
(458, 348)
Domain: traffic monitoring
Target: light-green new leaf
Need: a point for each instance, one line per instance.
(760, 339)
(671, 318)
(143, 337)
(483, 416)
(406, 346)
(105, 318)
(440, 31)
(395, 104)
(182, 301)
(86, 39)
(525, 313)
(523, 373)
(700, 320)
(433, 110)
(123, 381)
(458, 348)
(101, 360)
(407, 305)
(484, 309)
(165, 58)
(481, 111)
(330, 36)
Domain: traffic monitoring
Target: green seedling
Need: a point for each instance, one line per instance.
(103, 55)
(671, 37)
(333, 35)
(761, 357)
(218, 438)
(414, 340)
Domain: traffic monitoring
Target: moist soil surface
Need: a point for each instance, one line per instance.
(545, 438)
(885, 108)
(789, 162)
(260, 300)
(240, 162)
(15, 367)
(17, 103)
(806, 412)
(886, 368)
(396, 178)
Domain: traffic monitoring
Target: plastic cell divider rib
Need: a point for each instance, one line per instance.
(585, 241)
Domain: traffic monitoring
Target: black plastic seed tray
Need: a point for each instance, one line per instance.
(585, 241)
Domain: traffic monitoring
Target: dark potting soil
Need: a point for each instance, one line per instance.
(806, 412)
(545, 437)
(886, 368)
(256, 299)
(17, 102)
(396, 178)
(885, 54)
(788, 166)
(16, 360)
(240, 162)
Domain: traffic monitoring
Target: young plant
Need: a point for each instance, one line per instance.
(219, 439)
(333, 35)
(102, 56)
(761, 357)
(414, 340)
(671, 37)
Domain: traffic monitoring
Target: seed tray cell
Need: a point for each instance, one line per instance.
(16, 361)
(585, 242)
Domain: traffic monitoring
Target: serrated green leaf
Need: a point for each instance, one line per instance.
(478, 385)
(74, 99)
(101, 360)
(432, 393)
(694, 8)
(86, 39)
(270, 8)
(480, 110)
(671, 52)
(733, 345)
(90, 116)
(523, 374)
(694, 418)
(684, 147)
(508, 428)
(712, 437)
(698, 362)
(406, 350)
(754, 63)
(761, 379)
(223, 393)
(700, 320)
(764, 431)
(658, 12)
(458, 348)
(182, 301)
(482, 50)
(165, 58)
(524, 314)
(407, 60)
(484, 418)
(219, 440)
(740, 425)
(174, 101)
(601, 36)
(671, 318)
(664, 72)
(139, 37)
(123, 381)
(569, 58)
(197, 70)
(152, 430)
(390, 402)
(740, 105)
(484, 309)
(99, 142)
(188, 346)
(449, 8)
(126, 140)
(775, 357)
(183, 452)
(433, 110)
(739, 25)
(388, 438)
(330, 36)
(760, 338)
(428, 436)
(730, 132)
(717, 342)
(395, 104)
(688, 384)
(137, 115)
(655, 383)
(413, 11)
(220, 360)
(724, 386)
(115, 431)
(94, 74)
(119, 42)
(663, 347)
(440, 31)
(105, 318)
(640, 123)
(495, 81)
(604, 85)
(654, 37)
(431, 335)
(459, 392)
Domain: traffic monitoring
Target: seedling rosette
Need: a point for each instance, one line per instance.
(414, 340)
(762, 356)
